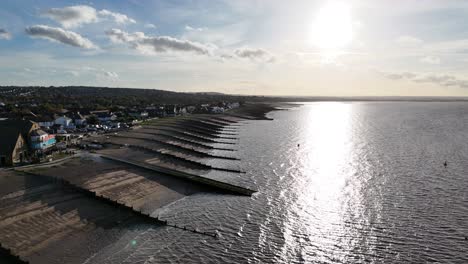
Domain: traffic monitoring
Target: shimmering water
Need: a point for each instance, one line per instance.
(365, 184)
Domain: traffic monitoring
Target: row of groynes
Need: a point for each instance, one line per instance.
(185, 141)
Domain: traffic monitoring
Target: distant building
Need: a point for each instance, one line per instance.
(105, 117)
(216, 110)
(160, 112)
(191, 108)
(44, 121)
(171, 110)
(181, 110)
(138, 114)
(64, 121)
(78, 119)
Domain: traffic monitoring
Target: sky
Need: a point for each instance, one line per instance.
(256, 47)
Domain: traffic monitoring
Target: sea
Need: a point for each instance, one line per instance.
(337, 182)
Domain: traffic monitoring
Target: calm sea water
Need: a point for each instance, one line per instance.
(365, 184)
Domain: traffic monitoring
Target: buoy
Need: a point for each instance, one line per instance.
(445, 164)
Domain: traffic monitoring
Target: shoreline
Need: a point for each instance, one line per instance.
(143, 169)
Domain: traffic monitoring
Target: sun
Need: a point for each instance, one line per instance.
(332, 28)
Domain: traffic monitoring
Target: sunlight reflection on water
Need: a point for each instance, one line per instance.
(324, 166)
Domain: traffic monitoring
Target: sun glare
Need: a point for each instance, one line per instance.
(332, 27)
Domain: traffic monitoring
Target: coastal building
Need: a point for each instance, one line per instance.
(13, 148)
(105, 117)
(64, 121)
(78, 119)
(138, 114)
(171, 110)
(44, 121)
(160, 111)
(216, 110)
(181, 110)
(41, 141)
(14, 140)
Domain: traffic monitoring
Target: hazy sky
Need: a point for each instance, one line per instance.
(272, 47)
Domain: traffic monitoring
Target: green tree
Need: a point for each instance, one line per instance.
(92, 120)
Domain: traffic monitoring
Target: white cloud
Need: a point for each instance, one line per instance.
(445, 80)
(4, 34)
(156, 44)
(254, 54)
(452, 46)
(111, 74)
(117, 17)
(149, 25)
(408, 41)
(60, 35)
(74, 16)
(398, 76)
(430, 60)
(189, 28)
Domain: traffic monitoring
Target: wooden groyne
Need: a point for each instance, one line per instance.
(177, 147)
(188, 176)
(185, 141)
(192, 130)
(190, 135)
(117, 204)
(204, 129)
(171, 156)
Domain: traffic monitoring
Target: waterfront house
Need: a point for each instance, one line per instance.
(13, 148)
(41, 141)
(14, 140)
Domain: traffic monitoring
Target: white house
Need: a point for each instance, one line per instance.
(64, 121)
(217, 110)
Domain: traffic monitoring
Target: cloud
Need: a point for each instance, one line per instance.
(4, 34)
(149, 25)
(445, 80)
(408, 41)
(96, 72)
(156, 44)
(398, 76)
(117, 17)
(111, 74)
(74, 16)
(189, 28)
(60, 35)
(254, 54)
(430, 60)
